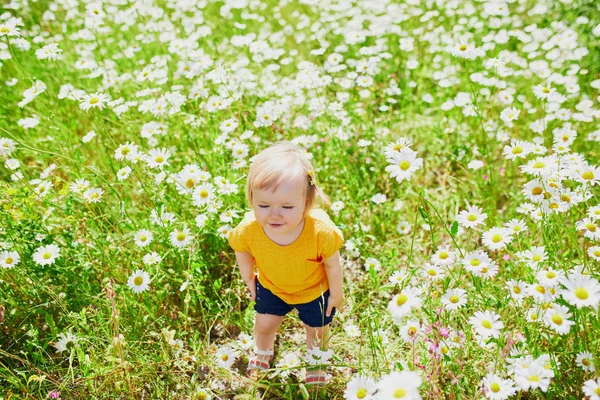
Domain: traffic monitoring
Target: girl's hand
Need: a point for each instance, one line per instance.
(252, 287)
(336, 301)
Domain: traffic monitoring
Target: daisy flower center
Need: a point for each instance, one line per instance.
(399, 393)
(517, 150)
(486, 324)
(47, 255)
(159, 159)
(536, 257)
(125, 151)
(404, 165)
(472, 217)
(444, 350)
(4, 29)
(540, 289)
(432, 272)
(143, 238)
(94, 195)
(550, 275)
(496, 238)
(463, 47)
(484, 270)
(94, 100)
(138, 280)
(224, 357)
(591, 227)
(536, 191)
(475, 262)
(398, 147)
(454, 299)
(538, 165)
(597, 390)
(444, 255)
(494, 387)
(8, 260)
(204, 194)
(597, 253)
(361, 393)
(581, 294)
(401, 299)
(585, 362)
(516, 290)
(557, 319)
(412, 331)
(565, 198)
(189, 183)
(180, 236)
(534, 378)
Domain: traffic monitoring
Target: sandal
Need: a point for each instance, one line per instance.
(316, 377)
(259, 362)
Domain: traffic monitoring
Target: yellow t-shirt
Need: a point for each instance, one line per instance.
(295, 272)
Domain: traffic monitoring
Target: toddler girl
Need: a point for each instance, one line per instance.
(294, 249)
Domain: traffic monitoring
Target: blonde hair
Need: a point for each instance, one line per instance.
(279, 162)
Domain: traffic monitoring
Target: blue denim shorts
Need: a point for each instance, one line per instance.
(311, 313)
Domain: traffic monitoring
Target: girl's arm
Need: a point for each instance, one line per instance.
(333, 269)
(245, 261)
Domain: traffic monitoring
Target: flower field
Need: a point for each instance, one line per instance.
(458, 141)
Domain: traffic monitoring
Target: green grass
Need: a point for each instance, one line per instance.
(126, 342)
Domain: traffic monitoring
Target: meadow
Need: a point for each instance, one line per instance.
(457, 140)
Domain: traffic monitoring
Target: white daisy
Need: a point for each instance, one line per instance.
(486, 324)
(65, 340)
(226, 356)
(360, 387)
(180, 237)
(139, 281)
(497, 238)
(496, 388)
(404, 164)
(580, 290)
(46, 255)
(454, 299)
(471, 217)
(95, 100)
(585, 360)
(93, 195)
(8, 259)
(143, 238)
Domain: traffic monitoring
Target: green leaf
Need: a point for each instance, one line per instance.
(454, 229)
(424, 214)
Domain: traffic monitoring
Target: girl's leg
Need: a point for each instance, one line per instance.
(319, 338)
(265, 329)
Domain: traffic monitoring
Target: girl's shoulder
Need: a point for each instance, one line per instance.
(322, 222)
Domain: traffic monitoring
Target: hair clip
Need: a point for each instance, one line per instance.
(311, 175)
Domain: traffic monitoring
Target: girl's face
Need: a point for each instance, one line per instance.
(280, 212)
